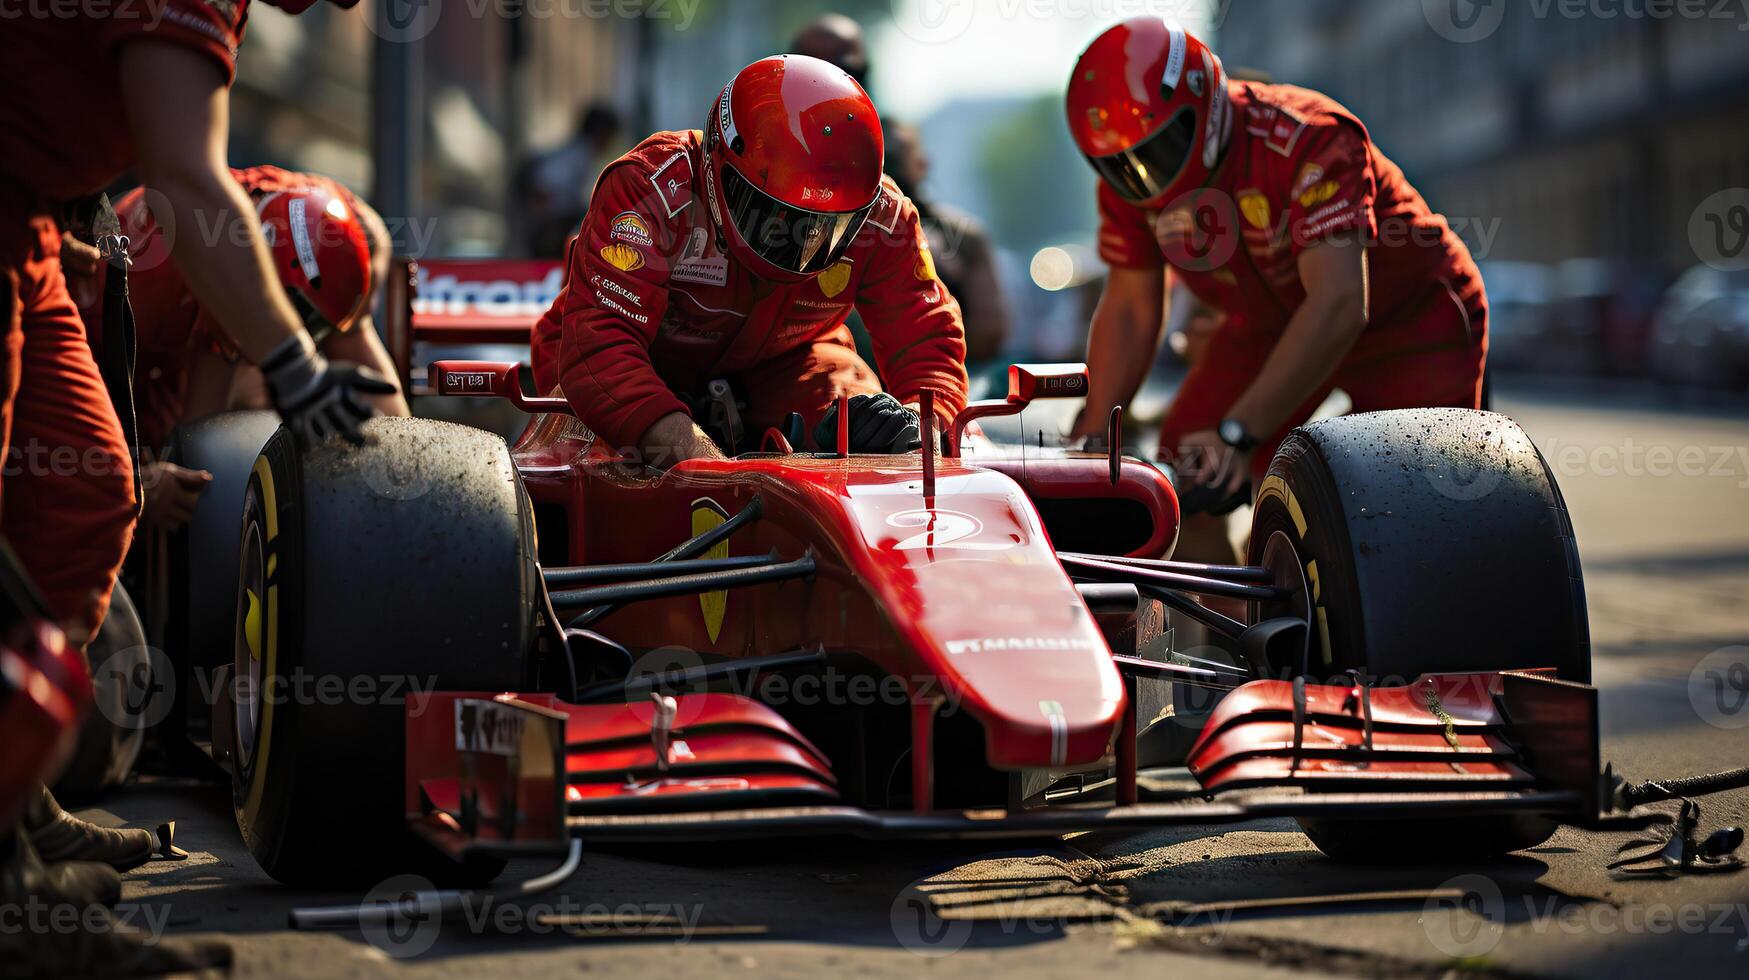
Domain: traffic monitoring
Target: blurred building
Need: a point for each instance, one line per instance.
(496, 89)
(1578, 137)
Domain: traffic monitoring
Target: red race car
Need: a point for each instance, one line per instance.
(449, 649)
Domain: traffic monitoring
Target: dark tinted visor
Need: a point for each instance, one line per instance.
(1146, 170)
(315, 323)
(790, 238)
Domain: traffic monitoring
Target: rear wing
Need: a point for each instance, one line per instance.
(463, 302)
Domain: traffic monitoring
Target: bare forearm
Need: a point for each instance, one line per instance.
(1320, 334)
(1120, 350)
(230, 272)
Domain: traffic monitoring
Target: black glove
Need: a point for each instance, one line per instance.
(316, 399)
(1202, 498)
(878, 424)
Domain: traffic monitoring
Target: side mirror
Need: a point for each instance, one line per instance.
(1026, 383)
(1030, 382)
(492, 379)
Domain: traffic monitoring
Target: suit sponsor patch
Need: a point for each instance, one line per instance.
(631, 228)
(885, 213)
(1255, 207)
(622, 257)
(833, 280)
(673, 183)
(1319, 193)
(696, 263)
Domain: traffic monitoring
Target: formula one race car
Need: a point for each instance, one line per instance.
(449, 650)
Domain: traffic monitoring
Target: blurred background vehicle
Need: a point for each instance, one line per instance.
(1700, 332)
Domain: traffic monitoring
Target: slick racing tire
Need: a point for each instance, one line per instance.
(1430, 541)
(368, 575)
(195, 590)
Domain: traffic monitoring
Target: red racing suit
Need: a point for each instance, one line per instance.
(653, 309)
(66, 490)
(169, 323)
(1301, 169)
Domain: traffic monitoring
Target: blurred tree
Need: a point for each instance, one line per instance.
(1040, 191)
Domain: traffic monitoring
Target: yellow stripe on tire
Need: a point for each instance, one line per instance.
(270, 666)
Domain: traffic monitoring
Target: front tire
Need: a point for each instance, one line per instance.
(368, 575)
(1432, 541)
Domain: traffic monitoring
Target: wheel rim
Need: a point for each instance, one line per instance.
(1283, 561)
(246, 655)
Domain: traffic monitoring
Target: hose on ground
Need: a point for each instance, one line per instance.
(1653, 790)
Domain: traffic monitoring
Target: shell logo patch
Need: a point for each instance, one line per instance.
(1255, 207)
(833, 280)
(630, 227)
(1319, 194)
(623, 257)
(706, 514)
(925, 269)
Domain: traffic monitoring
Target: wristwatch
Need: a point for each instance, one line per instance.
(1234, 433)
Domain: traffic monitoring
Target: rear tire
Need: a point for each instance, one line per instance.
(1433, 541)
(191, 606)
(398, 567)
(122, 665)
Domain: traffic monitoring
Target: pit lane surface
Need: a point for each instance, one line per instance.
(1666, 552)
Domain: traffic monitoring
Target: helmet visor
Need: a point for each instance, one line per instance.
(1146, 170)
(791, 238)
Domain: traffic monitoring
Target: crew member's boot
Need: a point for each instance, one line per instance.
(59, 836)
(41, 945)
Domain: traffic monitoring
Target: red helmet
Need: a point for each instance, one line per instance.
(321, 253)
(792, 165)
(44, 691)
(1148, 107)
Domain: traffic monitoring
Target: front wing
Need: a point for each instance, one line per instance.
(514, 773)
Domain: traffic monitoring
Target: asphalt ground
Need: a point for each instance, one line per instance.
(1660, 500)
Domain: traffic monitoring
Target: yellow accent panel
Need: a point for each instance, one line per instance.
(1312, 573)
(706, 514)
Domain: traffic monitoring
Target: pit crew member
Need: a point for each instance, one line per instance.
(82, 98)
(186, 366)
(737, 253)
(1272, 204)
